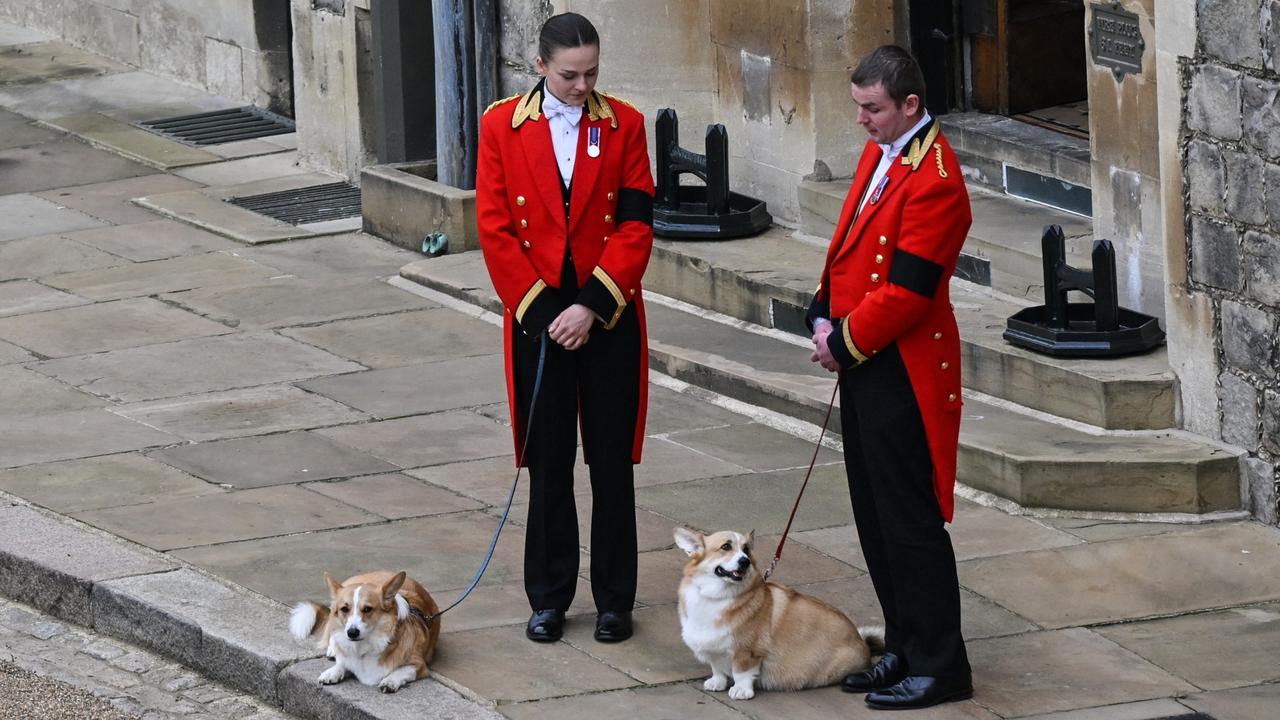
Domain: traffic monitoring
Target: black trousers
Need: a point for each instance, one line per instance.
(600, 380)
(904, 539)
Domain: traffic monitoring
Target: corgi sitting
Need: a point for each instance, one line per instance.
(761, 631)
(375, 628)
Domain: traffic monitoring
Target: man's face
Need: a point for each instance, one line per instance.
(882, 118)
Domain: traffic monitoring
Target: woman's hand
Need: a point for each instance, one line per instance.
(571, 328)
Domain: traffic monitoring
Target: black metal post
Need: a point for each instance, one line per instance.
(717, 164)
(666, 137)
(1106, 303)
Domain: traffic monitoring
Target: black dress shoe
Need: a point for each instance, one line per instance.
(919, 691)
(545, 625)
(613, 626)
(890, 671)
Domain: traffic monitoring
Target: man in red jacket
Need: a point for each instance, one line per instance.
(882, 319)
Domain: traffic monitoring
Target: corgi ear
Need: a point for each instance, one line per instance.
(334, 586)
(390, 589)
(751, 537)
(689, 541)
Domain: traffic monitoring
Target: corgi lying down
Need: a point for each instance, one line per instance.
(761, 632)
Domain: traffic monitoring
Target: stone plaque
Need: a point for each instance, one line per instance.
(1115, 37)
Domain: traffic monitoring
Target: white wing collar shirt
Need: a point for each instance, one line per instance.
(563, 120)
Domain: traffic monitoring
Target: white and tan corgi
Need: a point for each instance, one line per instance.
(375, 628)
(758, 632)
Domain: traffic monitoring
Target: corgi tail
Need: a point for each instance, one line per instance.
(874, 637)
(306, 618)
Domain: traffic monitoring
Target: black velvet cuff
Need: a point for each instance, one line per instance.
(836, 344)
(544, 309)
(914, 273)
(818, 308)
(596, 296)
(635, 205)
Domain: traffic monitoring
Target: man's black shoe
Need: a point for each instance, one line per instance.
(545, 626)
(613, 626)
(919, 691)
(890, 671)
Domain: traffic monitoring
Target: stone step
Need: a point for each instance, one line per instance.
(1003, 247)
(768, 280)
(1032, 459)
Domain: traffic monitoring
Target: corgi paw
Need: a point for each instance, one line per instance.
(332, 676)
(716, 683)
(742, 692)
(391, 685)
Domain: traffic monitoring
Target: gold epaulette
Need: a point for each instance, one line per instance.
(496, 103)
(598, 107)
(919, 150)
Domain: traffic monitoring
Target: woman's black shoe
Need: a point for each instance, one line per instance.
(545, 625)
(613, 626)
(890, 671)
(919, 691)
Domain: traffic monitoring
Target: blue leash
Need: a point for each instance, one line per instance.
(533, 404)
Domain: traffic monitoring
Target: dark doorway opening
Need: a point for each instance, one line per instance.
(273, 28)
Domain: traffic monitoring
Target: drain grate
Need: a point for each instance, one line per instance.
(220, 126)
(318, 203)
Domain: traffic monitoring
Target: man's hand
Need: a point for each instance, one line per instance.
(571, 327)
(821, 353)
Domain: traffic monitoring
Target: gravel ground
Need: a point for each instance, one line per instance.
(27, 696)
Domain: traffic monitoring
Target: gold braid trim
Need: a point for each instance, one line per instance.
(496, 103)
(848, 341)
(621, 300)
(528, 299)
(530, 108)
(919, 150)
(598, 107)
(937, 152)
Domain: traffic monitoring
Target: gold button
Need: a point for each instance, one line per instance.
(610, 195)
(937, 336)
(884, 240)
(879, 259)
(606, 238)
(875, 277)
(524, 223)
(945, 364)
(526, 243)
(866, 293)
(951, 397)
(608, 218)
(520, 200)
(633, 291)
(508, 311)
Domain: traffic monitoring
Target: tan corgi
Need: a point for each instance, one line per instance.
(757, 631)
(375, 628)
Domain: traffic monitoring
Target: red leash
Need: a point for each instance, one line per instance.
(816, 447)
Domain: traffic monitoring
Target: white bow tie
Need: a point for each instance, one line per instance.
(552, 108)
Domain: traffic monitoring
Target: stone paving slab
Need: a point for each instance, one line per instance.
(671, 411)
(826, 703)
(406, 338)
(489, 480)
(237, 172)
(420, 699)
(442, 552)
(245, 148)
(761, 501)
(283, 302)
(38, 62)
(183, 614)
(756, 446)
(281, 459)
(225, 362)
(62, 163)
(162, 276)
(663, 702)
(160, 96)
(417, 389)
(1214, 651)
(227, 517)
(1252, 703)
(522, 670)
(46, 255)
(19, 297)
(18, 131)
(667, 462)
(242, 412)
(435, 439)
(26, 215)
(105, 326)
(1102, 530)
(73, 434)
(53, 564)
(110, 201)
(345, 256)
(18, 35)
(1228, 564)
(153, 240)
(24, 392)
(1164, 709)
(653, 531)
(506, 604)
(199, 208)
(131, 141)
(101, 482)
(395, 496)
(10, 354)
(1062, 670)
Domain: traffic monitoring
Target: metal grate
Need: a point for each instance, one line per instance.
(317, 203)
(220, 126)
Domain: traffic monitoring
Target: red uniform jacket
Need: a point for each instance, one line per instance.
(521, 220)
(886, 280)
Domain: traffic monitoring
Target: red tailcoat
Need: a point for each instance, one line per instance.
(521, 221)
(886, 281)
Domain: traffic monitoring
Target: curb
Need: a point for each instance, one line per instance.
(89, 578)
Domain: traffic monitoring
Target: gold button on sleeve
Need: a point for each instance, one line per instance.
(879, 259)
(524, 223)
(945, 364)
(608, 218)
(937, 336)
(610, 195)
(875, 277)
(520, 200)
(951, 397)
(526, 243)
(884, 240)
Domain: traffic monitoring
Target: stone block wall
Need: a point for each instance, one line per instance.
(234, 48)
(1231, 151)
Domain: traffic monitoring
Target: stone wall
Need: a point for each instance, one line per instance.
(1231, 150)
(234, 48)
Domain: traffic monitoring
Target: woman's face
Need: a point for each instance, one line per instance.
(571, 72)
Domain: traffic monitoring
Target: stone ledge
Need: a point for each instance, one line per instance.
(402, 203)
